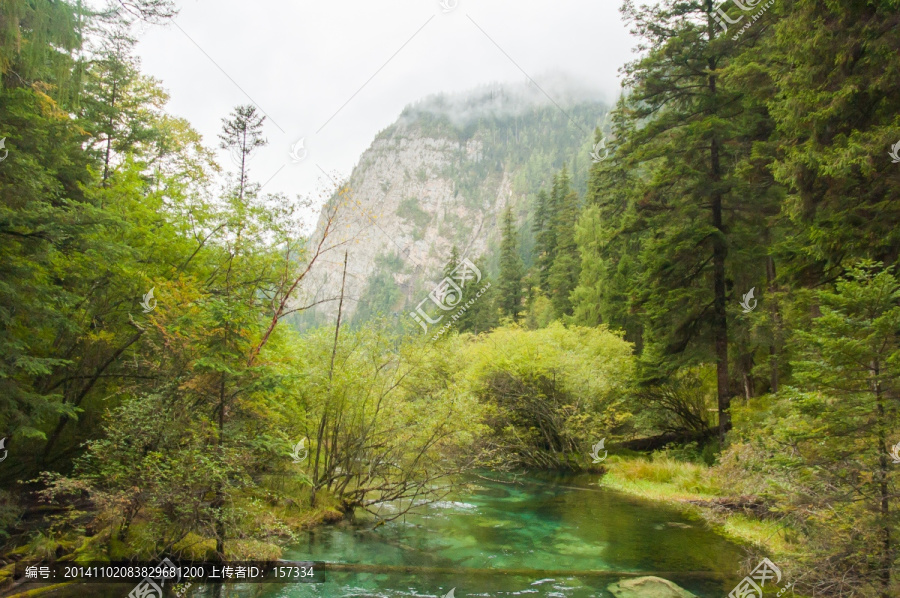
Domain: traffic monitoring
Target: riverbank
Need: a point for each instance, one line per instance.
(103, 546)
(695, 489)
(542, 533)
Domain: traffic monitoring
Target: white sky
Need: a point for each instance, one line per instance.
(301, 61)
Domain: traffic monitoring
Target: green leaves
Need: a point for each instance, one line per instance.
(835, 66)
(512, 270)
(824, 441)
(550, 393)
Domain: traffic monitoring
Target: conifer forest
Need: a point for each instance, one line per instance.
(643, 344)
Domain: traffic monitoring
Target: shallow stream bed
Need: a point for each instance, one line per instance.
(535, 536)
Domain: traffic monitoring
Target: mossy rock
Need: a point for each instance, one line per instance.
(92, 550)
(331, 516)
(251, 550)
(196, 548)
(46, 548)
(118, 550)
(20, 551)
(6, 575)
(647, 587)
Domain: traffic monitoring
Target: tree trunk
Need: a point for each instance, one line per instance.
(720, 319)
(720, 251)
(323, 424)
(109, 134)
(219, 500)
(776, 325)
(64, 419)
(887, 556)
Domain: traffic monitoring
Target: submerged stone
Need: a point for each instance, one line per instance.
(647, 587)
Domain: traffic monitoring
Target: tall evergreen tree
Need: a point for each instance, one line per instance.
(452, 261)
(242, 135)
(511, 270)
(689, 149)
(837, 161)
(610, 236)
(120, 105)
(566, 266)
(829, 434)
(541, 218)
(475, 313)
(545, 245)
(545, 241)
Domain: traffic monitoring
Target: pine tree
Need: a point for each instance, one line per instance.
(511, 270)
(541, 218)
(837, 162)
(609, 240)
(835, 428)
(242, 135)
(473, 313)
(119, 105)
(548, 226)
(695, 136)
(545, 246)
(452, 262)
(566, 266)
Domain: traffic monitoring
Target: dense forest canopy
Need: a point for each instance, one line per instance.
(721, 290)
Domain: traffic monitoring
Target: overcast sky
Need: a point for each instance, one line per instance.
(335, 72)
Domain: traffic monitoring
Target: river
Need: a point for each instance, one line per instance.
(540, 536)
(536, 536)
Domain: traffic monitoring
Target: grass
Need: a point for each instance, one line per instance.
(662, 478)
(668, 480)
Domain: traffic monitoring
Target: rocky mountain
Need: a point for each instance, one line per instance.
(441, 176)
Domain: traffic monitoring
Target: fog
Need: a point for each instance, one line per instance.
(335, 73)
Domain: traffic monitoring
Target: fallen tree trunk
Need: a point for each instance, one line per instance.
(541, 573)
(652, 443)
(751, 505)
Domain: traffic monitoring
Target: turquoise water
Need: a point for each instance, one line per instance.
(542, 536)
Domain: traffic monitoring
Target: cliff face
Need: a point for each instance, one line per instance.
(441, 177)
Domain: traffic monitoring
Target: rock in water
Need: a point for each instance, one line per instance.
(648, 587)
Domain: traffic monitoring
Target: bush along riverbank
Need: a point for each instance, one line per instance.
(704, 492)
